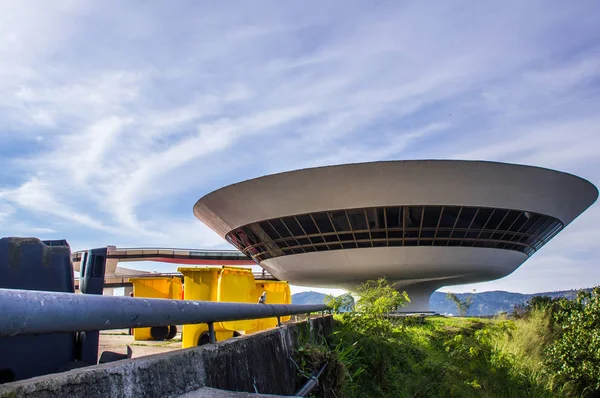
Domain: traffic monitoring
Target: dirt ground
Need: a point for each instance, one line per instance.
(118, 340)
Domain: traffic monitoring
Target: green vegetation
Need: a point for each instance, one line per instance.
(484, 303)
(462, 306)
(575, 355)
(341, 303)
(551, 349)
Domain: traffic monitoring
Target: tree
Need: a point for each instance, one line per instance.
(342, 303)
(378, 297)
(461, 306)
(536, 303)
(575, 355)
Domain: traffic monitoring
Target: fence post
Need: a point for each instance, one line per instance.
(211, 333)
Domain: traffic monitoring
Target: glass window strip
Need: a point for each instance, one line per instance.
(368, 226)
(486, 223)
(524, 247)
(532, 237)
(500, 223)
(404, 216)
(290, 232)
(454, 226)
(319, 229)
(281, 239)
(387, 242)
(332, 225)
(549, 234)
(539, 218)
(304, 231)
(350, 226)
(511, 225)
(525, 223)
(542, 230)
(471, 224)
(546, 227)
(438, 226)
(421, 224)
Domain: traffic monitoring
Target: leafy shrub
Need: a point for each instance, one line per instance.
(575, 355)
(371, 312)
(341, 303)
(462, 306)
(545, 304)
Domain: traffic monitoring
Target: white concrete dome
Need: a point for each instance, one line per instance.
(423, 224)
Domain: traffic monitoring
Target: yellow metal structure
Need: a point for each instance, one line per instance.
(277, 292)
(155, 287)
(221, 284)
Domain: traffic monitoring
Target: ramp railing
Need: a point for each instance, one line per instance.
(27, 312)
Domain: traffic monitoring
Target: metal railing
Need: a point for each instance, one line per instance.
(28, 312)
(141, 253)
(122, 280)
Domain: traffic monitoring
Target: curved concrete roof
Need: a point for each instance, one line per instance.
(418, 270)
(408, 182)
(403, 264)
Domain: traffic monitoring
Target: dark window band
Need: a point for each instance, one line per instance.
(506, 229)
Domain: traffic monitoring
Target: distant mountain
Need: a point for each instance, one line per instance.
(491, 303)
(308, 298)
(484, 303)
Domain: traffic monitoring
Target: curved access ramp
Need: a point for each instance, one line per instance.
(119, 277)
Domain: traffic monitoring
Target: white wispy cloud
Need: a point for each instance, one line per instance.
(117, 117)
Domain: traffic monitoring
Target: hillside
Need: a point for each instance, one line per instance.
(308, 298)
(484, 303)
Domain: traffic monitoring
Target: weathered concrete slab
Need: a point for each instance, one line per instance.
(208, 392)
(159, 375)
(260, 362)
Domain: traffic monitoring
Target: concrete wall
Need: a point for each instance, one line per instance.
(262, 360)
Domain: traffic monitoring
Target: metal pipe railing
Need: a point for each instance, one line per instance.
(312, 382)
(26, 312)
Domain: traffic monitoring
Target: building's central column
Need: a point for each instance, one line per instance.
(419, 294)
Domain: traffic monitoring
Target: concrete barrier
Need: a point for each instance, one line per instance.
(260, 362)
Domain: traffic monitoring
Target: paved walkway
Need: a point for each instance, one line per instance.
(118, 340)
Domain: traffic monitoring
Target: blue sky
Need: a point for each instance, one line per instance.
(117, 116)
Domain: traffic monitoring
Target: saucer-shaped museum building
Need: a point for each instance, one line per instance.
(423, 224)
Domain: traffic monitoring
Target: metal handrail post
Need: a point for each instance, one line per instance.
(211, 333)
